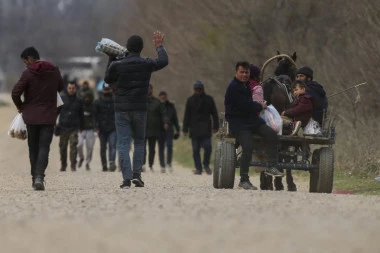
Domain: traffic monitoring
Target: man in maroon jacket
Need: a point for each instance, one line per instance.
(39, 83)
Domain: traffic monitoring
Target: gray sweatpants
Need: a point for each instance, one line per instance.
(87, 136)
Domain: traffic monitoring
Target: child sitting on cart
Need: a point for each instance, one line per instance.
(302, 107)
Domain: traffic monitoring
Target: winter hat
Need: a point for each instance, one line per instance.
(162, 93)
(305, 71)
(135, 44)
(198, 85)
(255, 72)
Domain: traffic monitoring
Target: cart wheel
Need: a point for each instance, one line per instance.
(314, 174)
(224, 166)
(326, 170)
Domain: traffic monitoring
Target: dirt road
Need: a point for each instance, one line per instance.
(179, 212)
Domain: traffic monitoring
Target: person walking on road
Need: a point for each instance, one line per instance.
(87, 136)
(157, 121)
(39, 83)
(131, 76)
(167, 136)
(105, 126)
(200, 109)
(71, 120)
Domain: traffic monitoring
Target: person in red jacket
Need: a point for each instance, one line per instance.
(39, 83)
(302, 107)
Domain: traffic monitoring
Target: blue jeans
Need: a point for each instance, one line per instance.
(110, 138)
(130, 125)
(166, 137)
(198, 143)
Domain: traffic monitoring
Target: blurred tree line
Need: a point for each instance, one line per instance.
(337, 38)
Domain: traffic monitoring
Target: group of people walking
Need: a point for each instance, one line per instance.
(128, 112)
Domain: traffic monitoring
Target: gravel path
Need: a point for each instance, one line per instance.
(179, 212)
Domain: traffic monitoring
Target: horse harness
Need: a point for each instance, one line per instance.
(284, 88)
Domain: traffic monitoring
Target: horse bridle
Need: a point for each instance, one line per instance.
(285, 88)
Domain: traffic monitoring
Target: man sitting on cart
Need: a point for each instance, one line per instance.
(242, 115)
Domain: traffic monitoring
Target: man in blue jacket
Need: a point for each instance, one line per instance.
(242, 114)
(130, 78)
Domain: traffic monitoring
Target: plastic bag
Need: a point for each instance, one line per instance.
(273, 119)
(312, 128)
(110, 47)
(18, 128)
(59, 100)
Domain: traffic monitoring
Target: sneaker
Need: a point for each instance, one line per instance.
(63, 168)
(247, 185)
(126, 184)
(137, 180)
(163, 170)
(88, 167)
(112, 166)
(296, 127)
(105, 169)
(39, 184)
(80, 162)
(197, 172)
(272, 171)
(33, 179)
(208, 171)
(170, 168)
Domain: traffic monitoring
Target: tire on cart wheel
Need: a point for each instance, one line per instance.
(326, 170)
(224, 166)
(314, 174)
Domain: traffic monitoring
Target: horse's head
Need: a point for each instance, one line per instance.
(286, 67)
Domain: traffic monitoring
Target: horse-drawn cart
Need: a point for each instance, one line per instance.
(320, 164)
(294, 152)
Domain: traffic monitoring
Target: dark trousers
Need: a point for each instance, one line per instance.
(152, 149)
(64, 138)
(110, 139)
(165, 138)
(39, 140)
(245, 140)
(198, 143)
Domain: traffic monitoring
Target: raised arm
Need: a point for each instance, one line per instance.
(162, 60)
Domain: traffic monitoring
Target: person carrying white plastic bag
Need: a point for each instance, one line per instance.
(39, 84)
(17, 128)
(272, 119)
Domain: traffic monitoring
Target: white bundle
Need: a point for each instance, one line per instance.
(110, 47)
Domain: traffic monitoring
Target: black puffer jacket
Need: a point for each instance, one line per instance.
(105, 114)
(130, 77)
(198, 113)
(71, 114)
(318, 94)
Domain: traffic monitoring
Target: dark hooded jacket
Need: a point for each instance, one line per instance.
(318, 94)
(198, 113)
(39, 83)
(105, 114)
(71, 117)
(156, 117)
(130, 77)
(172, 116)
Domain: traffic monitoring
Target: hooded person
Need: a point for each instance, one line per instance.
(254, 84)
(315, 91)
(39, 83)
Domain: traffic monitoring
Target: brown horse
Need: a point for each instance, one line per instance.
(278, 92)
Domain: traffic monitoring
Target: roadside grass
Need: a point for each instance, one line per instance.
(359, 184)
